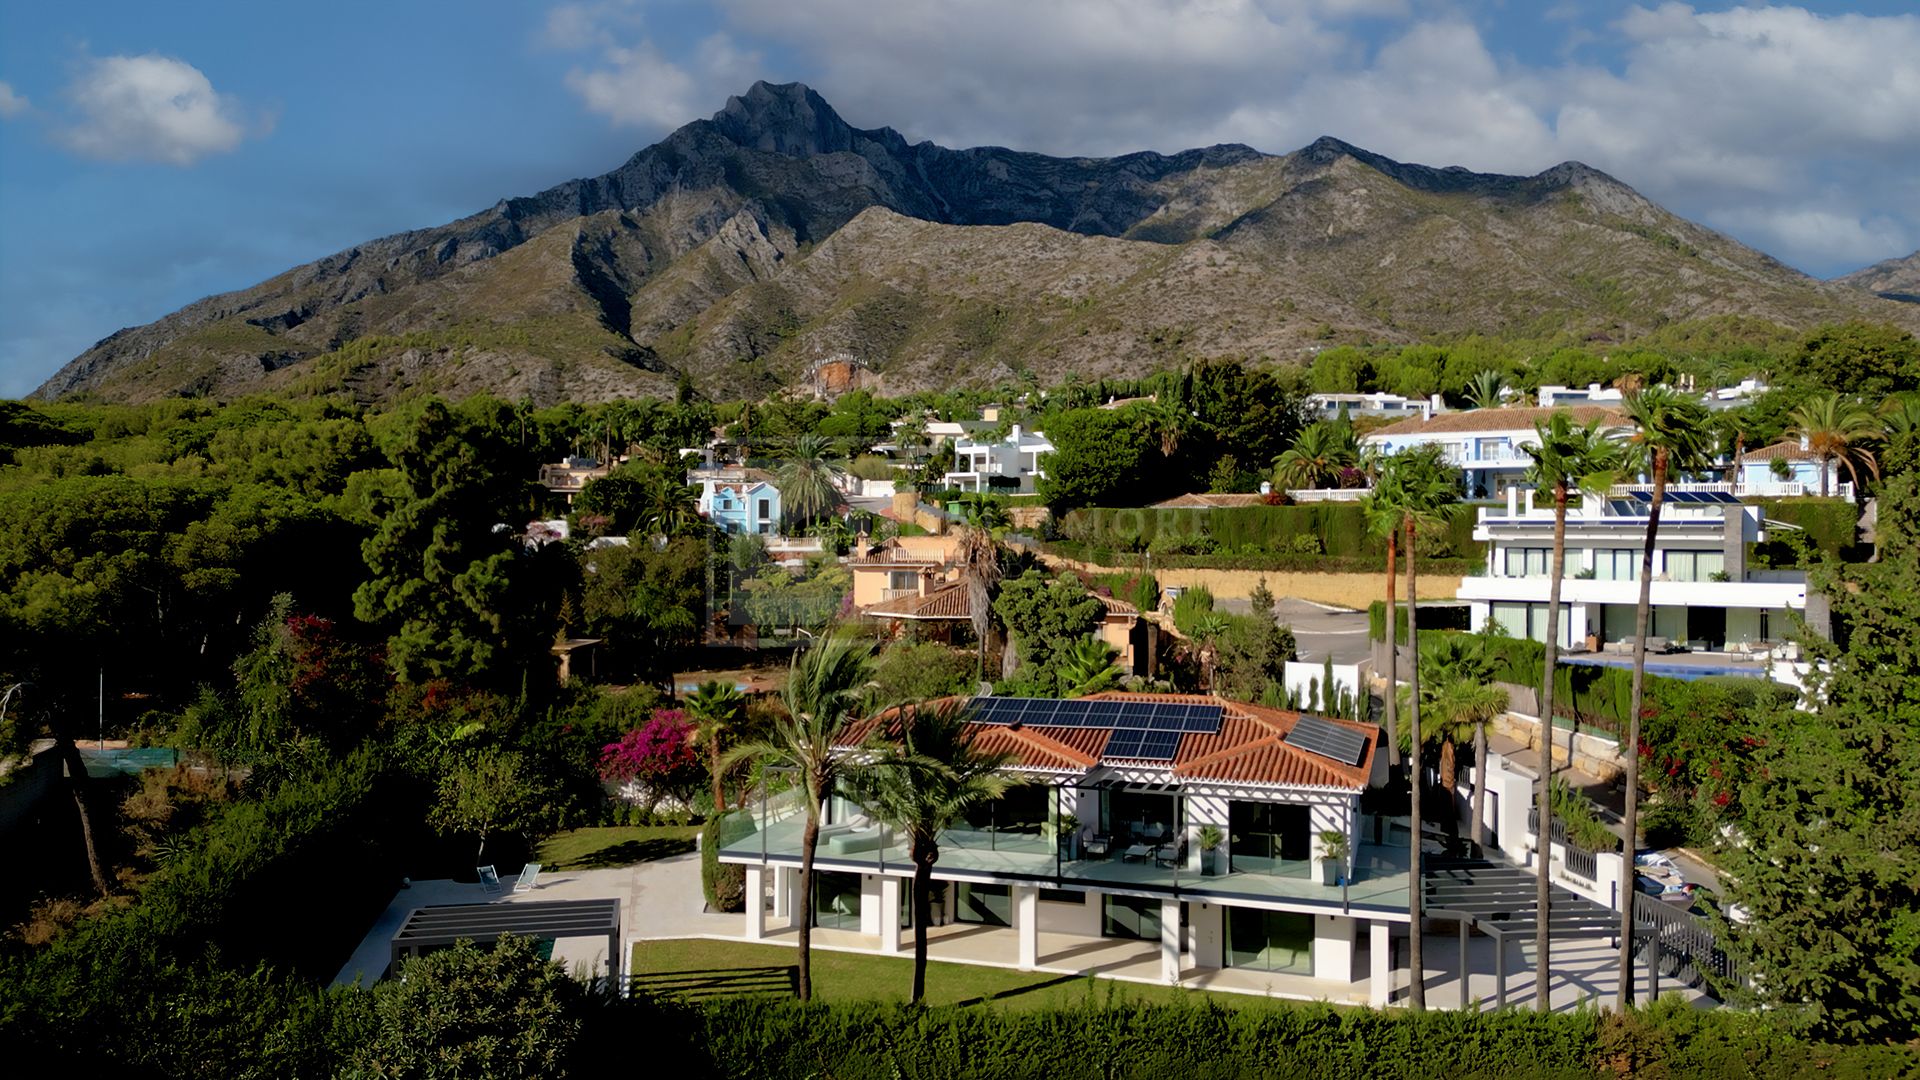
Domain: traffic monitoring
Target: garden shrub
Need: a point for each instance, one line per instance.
(724, 884)
(1190, 606)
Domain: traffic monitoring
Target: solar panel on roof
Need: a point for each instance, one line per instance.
(1329, 740)
(1640, 496)
(1159, 745)
(1134, 714)
(1125, 744)
(1725, 497)
(1173, 722)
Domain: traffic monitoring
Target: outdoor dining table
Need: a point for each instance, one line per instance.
(1137, 851)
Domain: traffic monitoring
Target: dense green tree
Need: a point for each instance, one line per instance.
(499, 1010)
(1827, 858)
(1869, 359)
(1087, 666)
(1099, 458)
(1045, 615)
(645, 601)
(1250, 654)
(492, 791)
(443, 559)
(1901, 419)
(923, 671)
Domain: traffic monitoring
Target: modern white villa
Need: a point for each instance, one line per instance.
(1488, 445)
(1705, 597)
(1010, 465)
(1105, 845)
(1393, 406)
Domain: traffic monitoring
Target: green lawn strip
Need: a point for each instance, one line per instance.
(702, 969)
(614, 845)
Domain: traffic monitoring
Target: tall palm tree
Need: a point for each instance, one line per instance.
(1382, 513)
(828, 686)
(808, 480)
(1670, 436)
(1316, 457)
(1207, 631)
(929, 775)
(979, 564)
(1165, 423)
(667, 506)
(1426, 490)
(1569, 457)
(1459, 703)
(714, 708)
(1487, 390)
(1836, 429)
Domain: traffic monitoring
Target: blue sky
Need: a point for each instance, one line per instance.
(151, 154)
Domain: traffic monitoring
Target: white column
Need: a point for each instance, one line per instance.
(890, 914)
(1209, 934)
(756, 902)
(782, 894)
(1333, 948)
(1026, 924)
(1380, 979)
(1170, 941)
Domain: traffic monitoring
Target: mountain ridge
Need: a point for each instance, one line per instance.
(692, 257)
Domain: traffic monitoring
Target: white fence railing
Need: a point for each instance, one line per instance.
(1773, 489)
(1309, 495)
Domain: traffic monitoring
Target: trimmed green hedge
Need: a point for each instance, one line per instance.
(1278, 562)
(1831, 524)
(1451, 617)
(1338, 530)
(778, 1039)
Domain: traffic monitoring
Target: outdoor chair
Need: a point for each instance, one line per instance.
(489, 878)
(528, 879)
(1099, 844)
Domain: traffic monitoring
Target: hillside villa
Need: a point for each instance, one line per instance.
(1488, 445)
(1706, 598)
(738, 500)
(1009, 465)
(1102, 844)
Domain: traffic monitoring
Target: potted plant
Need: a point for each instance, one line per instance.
(1210, 838)
(1333, 852)
(1066, 830)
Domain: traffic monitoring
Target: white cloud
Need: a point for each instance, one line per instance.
(12, 104)
(637, 86)
(149, 108)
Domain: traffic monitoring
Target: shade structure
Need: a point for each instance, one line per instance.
(430, 928)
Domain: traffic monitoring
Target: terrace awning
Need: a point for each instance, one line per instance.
(429, 928)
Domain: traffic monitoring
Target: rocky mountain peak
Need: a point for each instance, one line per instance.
(784, 118)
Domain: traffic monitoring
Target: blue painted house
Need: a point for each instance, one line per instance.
(1802, 471)
(739, 500)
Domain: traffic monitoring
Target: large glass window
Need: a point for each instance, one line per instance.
(1269, 838)
(1269, 940)
(1529, 621)
(989, 905)
(1130, 917)
(1695, 565)
(1140, 817)
(1616, 564)
(1014, 822)
(836, 900)
(1527, 561)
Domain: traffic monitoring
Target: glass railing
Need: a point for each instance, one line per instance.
(1171, 863)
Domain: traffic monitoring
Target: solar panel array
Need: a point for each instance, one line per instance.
(1329, 740)
(1722, 498)
(1144, 730)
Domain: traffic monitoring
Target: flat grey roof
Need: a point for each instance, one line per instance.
(482, 923)
(1502, 901)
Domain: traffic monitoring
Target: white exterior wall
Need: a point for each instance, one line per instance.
(1082, 918)
(1333, 947)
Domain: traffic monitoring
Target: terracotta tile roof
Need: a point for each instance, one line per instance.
(1784, 451)
(1202, 500)
(1248, 748)
(1521, 419)
(1116, 606)
(948, 602)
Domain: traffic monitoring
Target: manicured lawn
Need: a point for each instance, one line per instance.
(697, 969)
(615, 845)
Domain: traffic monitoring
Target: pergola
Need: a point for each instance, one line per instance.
(1502, 902)
(430, 928)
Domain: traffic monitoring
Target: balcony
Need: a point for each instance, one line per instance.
(772, 834)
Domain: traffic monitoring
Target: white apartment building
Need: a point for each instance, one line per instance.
(1488, 445)
(1393, 406)
(1705, 598)
(1010, 465)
